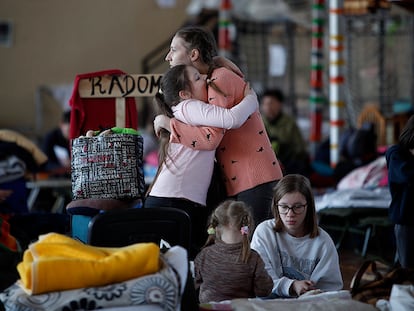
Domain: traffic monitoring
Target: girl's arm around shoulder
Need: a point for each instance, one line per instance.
(208, 137)
(197, 113)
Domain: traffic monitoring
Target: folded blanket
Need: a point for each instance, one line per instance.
(57, 262)
(156, 291)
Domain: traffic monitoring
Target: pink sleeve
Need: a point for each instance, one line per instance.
(208, 138)
(196, 137)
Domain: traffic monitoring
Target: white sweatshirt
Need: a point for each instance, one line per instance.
(288, 258)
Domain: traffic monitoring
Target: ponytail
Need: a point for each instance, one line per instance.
(172, 82)
(211, 83)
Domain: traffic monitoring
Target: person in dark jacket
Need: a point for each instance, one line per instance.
(56, 145)
(400, 162)
(284, 133)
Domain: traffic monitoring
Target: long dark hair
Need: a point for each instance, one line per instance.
(173, 81)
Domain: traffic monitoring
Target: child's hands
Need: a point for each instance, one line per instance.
(161, 122)
(300, 287)
(249, 91)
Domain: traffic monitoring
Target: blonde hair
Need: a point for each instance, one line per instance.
(235, 213)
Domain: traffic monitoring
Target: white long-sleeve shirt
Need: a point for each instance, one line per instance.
(188, 171)
(198, 113)
(288, 258)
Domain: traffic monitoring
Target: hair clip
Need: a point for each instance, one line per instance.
(244, 230)
(160, 91)
(211, 230)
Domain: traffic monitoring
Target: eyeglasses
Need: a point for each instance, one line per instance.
(296, 209)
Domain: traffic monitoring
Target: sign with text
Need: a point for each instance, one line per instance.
(127, 85)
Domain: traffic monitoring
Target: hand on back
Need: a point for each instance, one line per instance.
(249, 91)
(161, 122)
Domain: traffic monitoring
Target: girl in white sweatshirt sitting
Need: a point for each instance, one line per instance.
(298, 255)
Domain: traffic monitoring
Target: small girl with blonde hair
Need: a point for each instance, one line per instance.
(226, 268)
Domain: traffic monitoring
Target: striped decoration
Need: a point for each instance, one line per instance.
(224, 40)
(336, 78)
(317, 99)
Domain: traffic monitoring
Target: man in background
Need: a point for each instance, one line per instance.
(284, 134)
(56, 146)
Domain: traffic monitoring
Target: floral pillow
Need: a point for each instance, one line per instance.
(161, 289)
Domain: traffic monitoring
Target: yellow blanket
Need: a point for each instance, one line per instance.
(57, 262)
